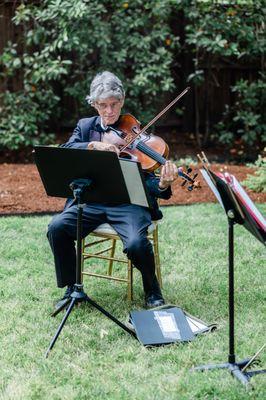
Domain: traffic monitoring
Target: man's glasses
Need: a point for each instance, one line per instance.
(104, 106)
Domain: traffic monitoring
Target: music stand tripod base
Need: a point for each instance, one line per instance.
(235, 369)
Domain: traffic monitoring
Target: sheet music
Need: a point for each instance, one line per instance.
(167, 324)
(195, 325)
(246, 200)
(134, 183)
(212, 186)
(246, 211)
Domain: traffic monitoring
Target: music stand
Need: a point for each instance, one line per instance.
(239, 209)
(81, 174)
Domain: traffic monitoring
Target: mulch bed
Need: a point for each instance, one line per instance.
(22, 192)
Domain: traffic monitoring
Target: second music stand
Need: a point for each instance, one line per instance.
(238, 210)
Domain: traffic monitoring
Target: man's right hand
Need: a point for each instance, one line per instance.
(103, 147)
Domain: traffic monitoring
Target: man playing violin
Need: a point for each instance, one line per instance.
(129, 221)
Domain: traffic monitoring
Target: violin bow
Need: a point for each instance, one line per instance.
(157, 117)
(181, 173)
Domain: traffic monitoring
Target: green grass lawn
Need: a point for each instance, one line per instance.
(93, 358)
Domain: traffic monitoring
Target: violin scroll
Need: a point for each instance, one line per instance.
(186, 176)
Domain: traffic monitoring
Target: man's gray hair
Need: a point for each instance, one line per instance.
(104, 85)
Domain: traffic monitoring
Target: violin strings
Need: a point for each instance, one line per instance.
(160, 159)
(151, 153)
(148, 151)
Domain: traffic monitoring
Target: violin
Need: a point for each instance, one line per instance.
(150, 150)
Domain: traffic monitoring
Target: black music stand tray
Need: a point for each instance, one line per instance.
(236, 212)
(81, 174)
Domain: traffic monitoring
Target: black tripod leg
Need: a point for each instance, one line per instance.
(110, 316)
(59, 309)
(209, 367)
(60, 326)
(243, 363)
(259, 371)
(233, 368)
(237, 373)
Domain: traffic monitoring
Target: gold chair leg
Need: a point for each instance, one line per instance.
(130, 280)
(112, 252)
(82, 258)
(157, 257)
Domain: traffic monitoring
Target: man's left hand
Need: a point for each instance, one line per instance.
(168, 175)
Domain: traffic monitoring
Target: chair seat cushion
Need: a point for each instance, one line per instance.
(107, 229)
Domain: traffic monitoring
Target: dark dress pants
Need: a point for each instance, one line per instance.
(130, 222)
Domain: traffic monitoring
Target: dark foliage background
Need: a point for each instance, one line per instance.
(53, 48)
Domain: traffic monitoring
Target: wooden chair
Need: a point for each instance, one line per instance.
(105, 234)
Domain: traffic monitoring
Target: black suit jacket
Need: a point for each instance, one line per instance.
(90, 129)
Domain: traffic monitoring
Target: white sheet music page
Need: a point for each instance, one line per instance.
(167, 324)
(246, 201)
(134, 184)
(212, 186)
(195, 325)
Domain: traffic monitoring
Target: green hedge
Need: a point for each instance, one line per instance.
(63, 44)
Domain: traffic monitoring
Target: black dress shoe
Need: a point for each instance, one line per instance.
(153, 300)
(66, 297)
